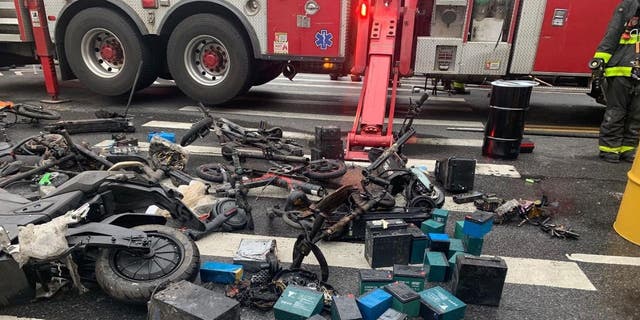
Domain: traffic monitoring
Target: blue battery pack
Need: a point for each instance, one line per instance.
(373, 304)
(219, 272)
(169, 136)
(477, 224)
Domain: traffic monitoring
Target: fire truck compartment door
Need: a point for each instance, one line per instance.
(570, 33)
(305, 27)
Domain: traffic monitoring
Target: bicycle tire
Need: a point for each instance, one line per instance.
(198, 129)
(35, 112)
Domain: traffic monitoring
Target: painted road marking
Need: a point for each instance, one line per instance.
(1, 74)
(187, 125)
(342, 103)
(420, 81)
(335, 118)
(324, 86)
(305, 136)
(18, 73)
(485, 169)
(332, 94)
(538, 272)
(355, 85)
(447, 99)
(535, 272)
(594, 258)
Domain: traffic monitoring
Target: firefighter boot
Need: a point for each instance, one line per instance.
(610, 157)
(628, 156)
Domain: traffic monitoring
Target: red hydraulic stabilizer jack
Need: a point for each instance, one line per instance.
(376, 42)
(44, 47)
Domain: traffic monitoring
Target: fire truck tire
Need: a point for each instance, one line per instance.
(209, 59)
(105, 52)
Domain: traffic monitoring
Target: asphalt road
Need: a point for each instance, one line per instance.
(543, 282)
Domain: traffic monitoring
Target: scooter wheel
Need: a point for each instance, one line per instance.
(132, 277)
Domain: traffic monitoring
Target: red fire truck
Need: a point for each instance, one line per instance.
(217, 49)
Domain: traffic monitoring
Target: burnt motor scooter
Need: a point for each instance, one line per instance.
(130, 253)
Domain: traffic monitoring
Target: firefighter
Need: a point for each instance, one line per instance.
(620, 58)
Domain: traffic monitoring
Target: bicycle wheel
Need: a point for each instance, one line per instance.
(35, 112)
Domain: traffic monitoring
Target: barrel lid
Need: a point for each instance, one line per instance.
(514, 83)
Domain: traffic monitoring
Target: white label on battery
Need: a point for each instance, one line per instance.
(35, 19)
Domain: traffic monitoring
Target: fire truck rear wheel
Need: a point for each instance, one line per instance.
(209, 59)
(104, 51)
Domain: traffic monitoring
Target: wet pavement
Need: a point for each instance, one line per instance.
(566, 170)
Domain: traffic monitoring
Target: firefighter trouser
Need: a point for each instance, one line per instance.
(621, 123)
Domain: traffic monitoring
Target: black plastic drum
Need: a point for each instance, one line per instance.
(505, 126)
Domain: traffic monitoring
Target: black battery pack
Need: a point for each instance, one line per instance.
(186, 301)
(356, 230)
(345, 308)
(479, 280)
(467, 197)
(328, 143)
(456, 175)
(405, 299)
(386, 247)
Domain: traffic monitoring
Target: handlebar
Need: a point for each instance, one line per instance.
(422, 100)
(389, 151)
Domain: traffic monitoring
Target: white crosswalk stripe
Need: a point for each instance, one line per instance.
(549, 273)
(486, 169)
(456, 105)
(600, 259)
(335, 118)
(305, 136)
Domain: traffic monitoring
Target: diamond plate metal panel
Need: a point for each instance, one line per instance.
(528, 36)
(426, 54)
(484, 58)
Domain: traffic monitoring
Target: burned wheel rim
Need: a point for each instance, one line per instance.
(211, 172)
(324, 166)
(207, 60)
(103, 53)
(325, 169)
(166, 255)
